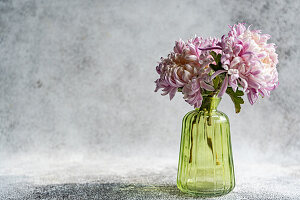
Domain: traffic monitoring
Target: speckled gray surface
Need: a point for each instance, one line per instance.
(79, 118)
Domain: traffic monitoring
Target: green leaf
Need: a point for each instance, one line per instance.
(216, 67)
(213, 54)
(216, 82)
(217, 58)
(236, 98)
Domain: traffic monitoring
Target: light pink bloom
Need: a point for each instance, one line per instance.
(183, 65)
(192, 91)
(250, 61)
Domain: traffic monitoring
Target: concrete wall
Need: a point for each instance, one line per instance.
(77, 79)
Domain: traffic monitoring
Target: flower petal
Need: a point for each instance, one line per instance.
(206, 86)
(217, 73)
(223, 87)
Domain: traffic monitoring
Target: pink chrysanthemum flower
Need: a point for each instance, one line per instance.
(192, 91)
(183, 65)
(250, 61)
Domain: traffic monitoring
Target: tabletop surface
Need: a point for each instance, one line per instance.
(78, 181)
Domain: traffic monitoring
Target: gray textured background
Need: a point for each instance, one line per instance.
(79, 118)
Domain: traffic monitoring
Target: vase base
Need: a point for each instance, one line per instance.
(203, 192)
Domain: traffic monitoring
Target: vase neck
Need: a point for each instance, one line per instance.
(210, 103)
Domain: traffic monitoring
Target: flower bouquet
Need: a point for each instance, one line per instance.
(203, 70)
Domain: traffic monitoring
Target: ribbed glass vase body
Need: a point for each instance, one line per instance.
(205, 162)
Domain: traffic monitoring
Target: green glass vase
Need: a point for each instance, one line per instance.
(205, 165)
